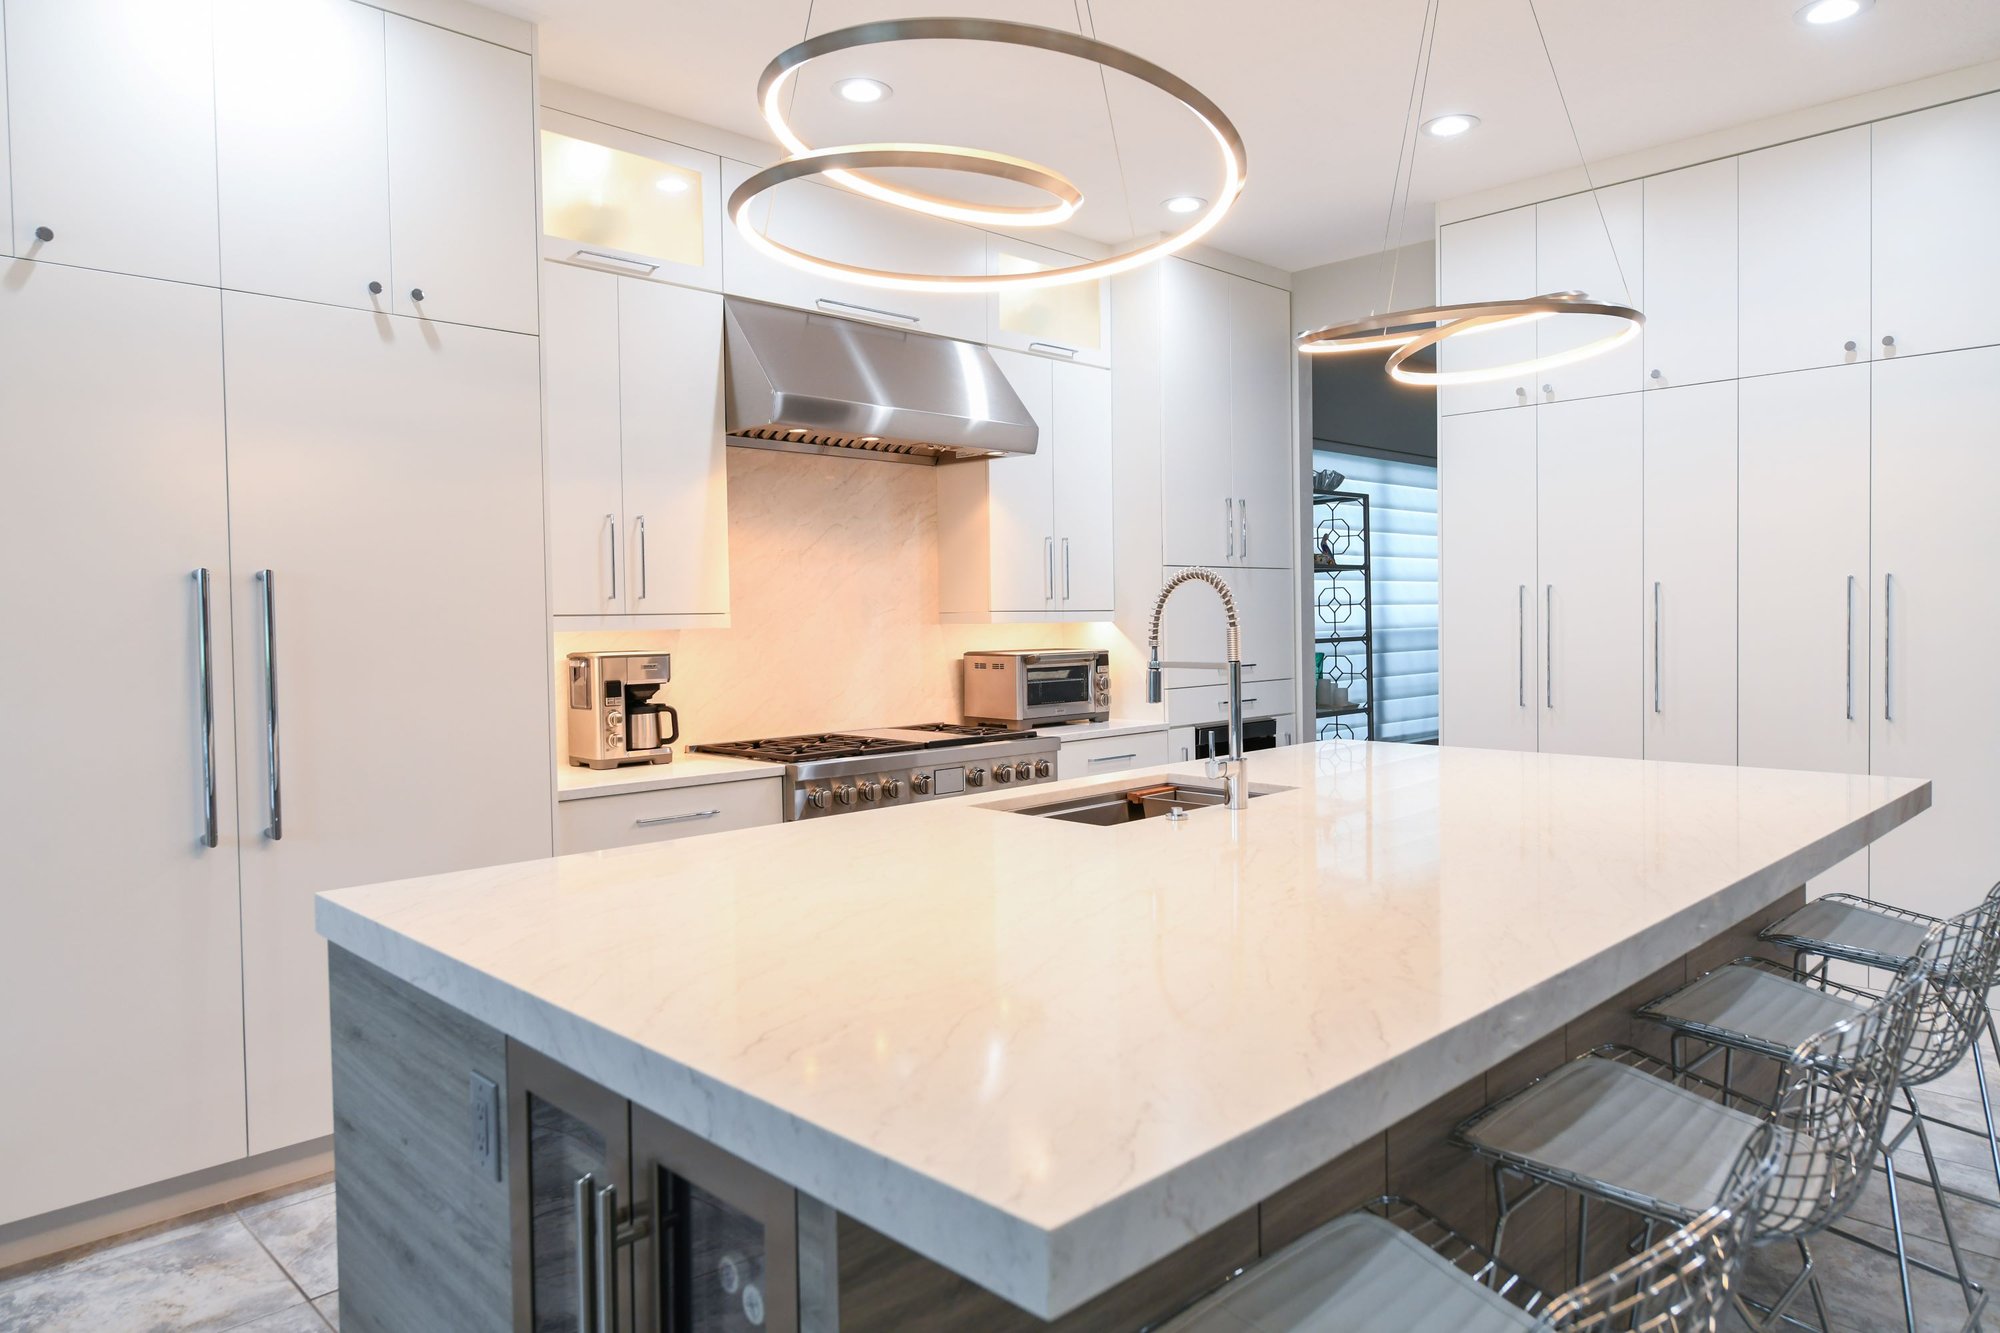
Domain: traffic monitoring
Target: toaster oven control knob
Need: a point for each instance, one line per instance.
(1002, 773)
(844, 793)
(1024, 770)
(1043, 768)
(816, 797)
(920, 783)
(975, 777)
(1103, 699)
(870, 790)
(891, 788)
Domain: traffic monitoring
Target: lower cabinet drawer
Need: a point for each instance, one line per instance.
(1111, 754)
(1199, 705)
(591, 824)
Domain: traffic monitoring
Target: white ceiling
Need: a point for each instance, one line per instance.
(1317, 87)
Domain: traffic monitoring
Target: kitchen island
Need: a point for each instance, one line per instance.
(1067, 1069)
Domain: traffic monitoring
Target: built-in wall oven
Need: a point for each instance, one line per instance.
(1033, 689)
(1213, 741)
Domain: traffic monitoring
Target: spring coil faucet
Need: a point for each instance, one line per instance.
(1229, 768)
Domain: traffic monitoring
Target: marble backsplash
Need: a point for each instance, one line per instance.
(833, 592)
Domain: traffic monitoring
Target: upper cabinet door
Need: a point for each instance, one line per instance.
(1802, 229)
(1589, 507)
(676, 474)
(302, 150)
(1690, 579)
(1070, 323)
(1085, 480)
(1489, 607)
(630, 204)
(6, 171)
(1690, 285)
(1574, 254)
(1490, 258)
(1020, 497)
(1937, 193)
(1197, 481)
(112, 107)
(580, 410)
(831, 223)
(1263, 414)
(461, 177)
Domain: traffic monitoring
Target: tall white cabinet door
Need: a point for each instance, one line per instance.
(118, 935)
(1489, 600)
(6, 169)
(302, 150)
(1020, 504)
(1263, 413)
(1803, 667)
(1934, 710)
(462, 217)
(1085, 478)
(1592, 243)
(1488, 258)
(388, 474)
(1802, 231)
(1690, 580)
(676, 472)
(1690, 246)
(112, 121)
(580, 407)
(1937, 191)
(1197, 482)
(1588, 552)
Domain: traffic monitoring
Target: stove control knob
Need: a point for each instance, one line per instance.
(920, 783)
(816, 797)
(1024, 770)
(891, 788)
(975, 777)
(1002, 773)
(1043, 768)
(844, 794)
(870, 790)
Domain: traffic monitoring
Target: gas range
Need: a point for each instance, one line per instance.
(841, 772)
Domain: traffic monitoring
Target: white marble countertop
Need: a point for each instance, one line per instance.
(686, 770)
(1090, 731)
(1047, 1054)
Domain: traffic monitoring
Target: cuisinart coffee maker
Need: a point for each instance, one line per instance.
(613, 719)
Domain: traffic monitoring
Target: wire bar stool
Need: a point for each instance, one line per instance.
(1850, 929)
(1618, 1126)
(1765, 1008)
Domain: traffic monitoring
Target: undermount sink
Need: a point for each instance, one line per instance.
(1126, 805)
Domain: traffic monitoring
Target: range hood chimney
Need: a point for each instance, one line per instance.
(813, 383)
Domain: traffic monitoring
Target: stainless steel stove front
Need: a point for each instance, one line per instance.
(907, 777)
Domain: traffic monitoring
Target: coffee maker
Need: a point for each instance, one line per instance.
(613, 716)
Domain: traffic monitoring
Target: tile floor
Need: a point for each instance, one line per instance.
(269, 1266)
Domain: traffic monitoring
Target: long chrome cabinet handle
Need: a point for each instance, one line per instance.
(644, 581)
(1065, 544)
(1656, 646)
(1850, 647)
(1049, 569)
(276, 795)
(828, 303)
(611, 551)
(607, 1259)
(652, 820)
(1888, 649)
(635, 265)
(583, 1198)
(1521, 647)
(205, 657)
(1053, 349)
(1229, 526)
(1549, 641)
(1114, 758)
(1243, 527)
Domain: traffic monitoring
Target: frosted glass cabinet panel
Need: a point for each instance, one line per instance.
(1070, 323)
(621, 201)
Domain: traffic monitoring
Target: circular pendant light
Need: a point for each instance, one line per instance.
(1484, 316)
(845, 165)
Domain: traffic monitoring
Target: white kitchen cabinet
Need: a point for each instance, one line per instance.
(638, 467)
(111, 109)
(1589, 472)
(1803, 223)
(387, 473)
(628, 203)
(1690, 573)
(462, 215)
(1194, 629)
(6, 168)
(1936, 194)
(1690, 266)
(1489, 599)
(1029, 537)
(1935, 628)
(599, 823)
(302, 150)
(1591, 243)
(839, 225)
(1071, 322)
(1802, 661)
(1208, 705)
(1263, 413)
(1095, 756)
(119, 948)
(1490, 258)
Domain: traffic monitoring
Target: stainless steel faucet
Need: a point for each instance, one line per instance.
(1235, 784)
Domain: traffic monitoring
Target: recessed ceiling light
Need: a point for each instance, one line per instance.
(862, 90)
(1185, 203)
(1452, 125)
(1819, 12)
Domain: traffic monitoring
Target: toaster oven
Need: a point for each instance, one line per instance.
(1036, 689)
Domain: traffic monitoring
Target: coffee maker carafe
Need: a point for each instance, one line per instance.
(615, 717)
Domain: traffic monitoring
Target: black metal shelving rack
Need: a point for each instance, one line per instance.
(1343, 614)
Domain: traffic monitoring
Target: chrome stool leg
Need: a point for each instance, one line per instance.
(1902, 1246)
(1985, 1098)
(1974, 1297)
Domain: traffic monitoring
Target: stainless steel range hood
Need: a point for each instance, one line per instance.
(814, 383)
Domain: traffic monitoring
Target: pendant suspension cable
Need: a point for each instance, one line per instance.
(1410, 180)
(1086, 15)
(1396, 181)
(1581, 160)
(791, 113)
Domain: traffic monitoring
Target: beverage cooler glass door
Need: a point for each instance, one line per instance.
(575, 1148)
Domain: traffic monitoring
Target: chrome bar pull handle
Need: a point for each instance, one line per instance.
(586, 1246)
(1049, 569)
(607, 1259)
(1243, 527)
(827, 303)
(652, 821)
(205, 661)
(1065, 544)
(1549, 641)
(275, 791)
(1521, 647)
(1850, 647)
(1053, 349)
(644, 582)
(611, 552)
(1888, 649)
(1229, 526)
(1656, 646)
